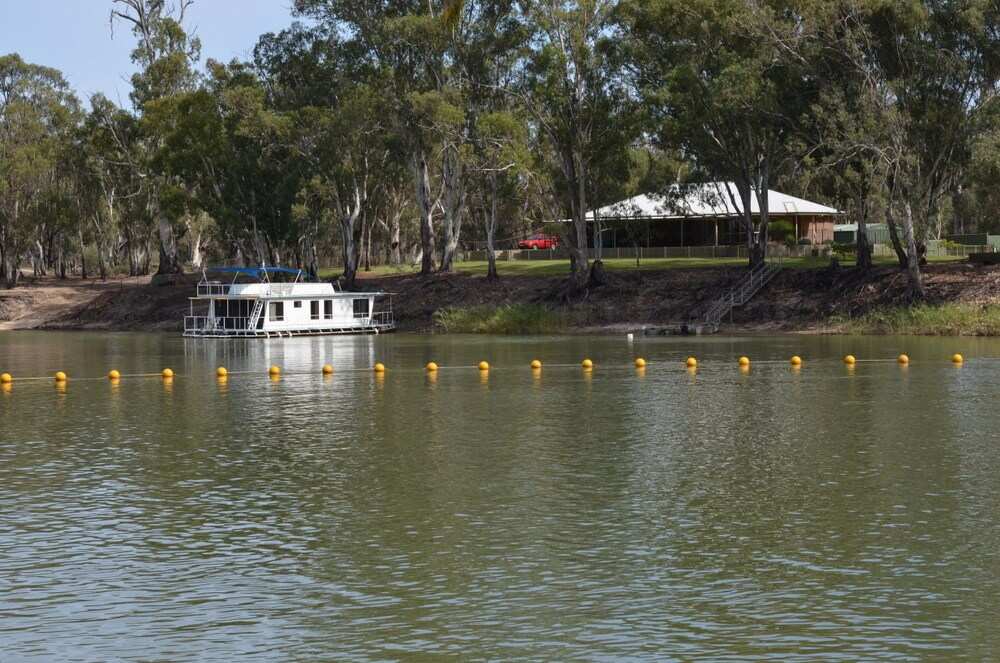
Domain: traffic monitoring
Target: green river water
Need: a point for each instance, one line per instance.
(813, 514)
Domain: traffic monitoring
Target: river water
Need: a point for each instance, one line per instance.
(813, 514)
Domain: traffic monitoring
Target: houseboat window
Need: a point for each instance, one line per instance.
(328, 309)
(297, 304)
(361, 308)
(277, 311)
(314, 310)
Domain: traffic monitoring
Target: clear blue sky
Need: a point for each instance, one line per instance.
(74, 37)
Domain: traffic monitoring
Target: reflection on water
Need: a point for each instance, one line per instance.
(826, 512)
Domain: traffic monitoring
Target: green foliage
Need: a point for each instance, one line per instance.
(781, 231)
(508, 319)
(927, 320)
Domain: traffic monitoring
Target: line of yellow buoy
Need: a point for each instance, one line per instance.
(222, 373)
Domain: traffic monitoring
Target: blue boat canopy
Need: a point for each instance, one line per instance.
(256, 272)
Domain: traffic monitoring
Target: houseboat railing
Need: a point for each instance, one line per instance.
(211, 288)
(207, 323)
(381, 318)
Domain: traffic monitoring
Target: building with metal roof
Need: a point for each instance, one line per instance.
(708, 214)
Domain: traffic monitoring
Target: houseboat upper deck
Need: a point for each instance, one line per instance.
(253, 302)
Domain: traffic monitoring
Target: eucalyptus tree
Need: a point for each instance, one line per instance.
(729, 84)
(234, 158)
(165, 55)
(574, 90)
(937, 65)
(501, 167)
(398, 47)
(344, 132)
(112, 186)
(844, 132)
(37, 113)
(344, 145)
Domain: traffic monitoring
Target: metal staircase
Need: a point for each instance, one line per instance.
(741, 294)
(258, 308)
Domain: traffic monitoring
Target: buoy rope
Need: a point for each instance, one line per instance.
(678, 362)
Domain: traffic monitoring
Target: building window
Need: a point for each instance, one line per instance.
(328, 309)
(297, 304)
(277, 312)
(361, 308)
(314, 310)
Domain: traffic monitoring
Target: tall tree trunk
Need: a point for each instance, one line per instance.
(348, 219)
(9, 267)
(169, 263)
(897, 245)
(745, 192)
(83, 256)
(396, 255)
(913, 256)
(573, 169)
(763, 203)
(60, 259)
(490, 215)
(424, 204)
(454, 206)
(196, 236)
(42, 266)
(366, 242)
(863, 246)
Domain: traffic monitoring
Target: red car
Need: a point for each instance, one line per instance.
(539, 241)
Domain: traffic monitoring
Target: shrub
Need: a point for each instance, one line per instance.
(927, 320)
(507, 319)
(781, 231)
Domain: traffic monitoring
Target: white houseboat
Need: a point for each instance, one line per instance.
(254, 303)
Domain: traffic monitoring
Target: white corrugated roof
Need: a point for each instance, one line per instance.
(713, 199)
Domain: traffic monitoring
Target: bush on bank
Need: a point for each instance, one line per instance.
(507, 319)
(927, 320)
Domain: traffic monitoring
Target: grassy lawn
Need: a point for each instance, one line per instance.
(560, 267)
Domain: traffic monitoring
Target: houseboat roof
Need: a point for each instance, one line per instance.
(256, 272)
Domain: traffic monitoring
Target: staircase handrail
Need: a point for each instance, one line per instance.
(742, 293)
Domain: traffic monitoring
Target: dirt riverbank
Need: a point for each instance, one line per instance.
(797, 300)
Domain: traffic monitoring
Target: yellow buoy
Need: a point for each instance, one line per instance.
(379, 368)
(957, 358)
(114, 375)
(484, 366)
(640, 363)
(221, 372)
(903, 359)
(60, 377)
(744, 361)
(796, 360)
(536, 364)
(850, 360)
(274, 370)
(431, 367)
(167, 373)
(6, 378)
(587, 364)
(327, 369)
(691, 362)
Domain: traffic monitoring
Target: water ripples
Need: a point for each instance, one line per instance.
(791, 516)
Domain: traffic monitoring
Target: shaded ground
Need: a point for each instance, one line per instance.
(118, 304)
(796, 300)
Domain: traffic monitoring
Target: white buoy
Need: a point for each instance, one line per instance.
(630, 337)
